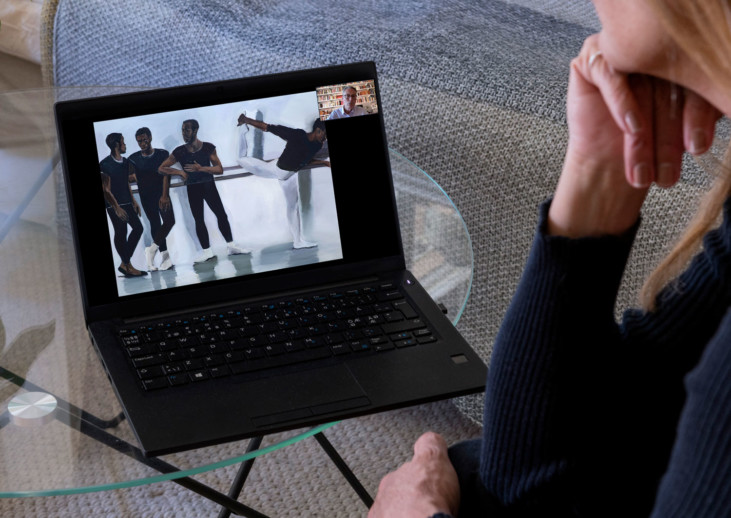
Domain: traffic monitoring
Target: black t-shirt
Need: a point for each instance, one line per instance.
(299, 149)
(202, 157)
(118, 172)
(149, 180)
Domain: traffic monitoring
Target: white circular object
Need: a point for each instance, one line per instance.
(32, 408)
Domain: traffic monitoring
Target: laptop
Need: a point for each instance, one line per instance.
(240, 258)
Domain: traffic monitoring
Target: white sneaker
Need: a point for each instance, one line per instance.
(150, 252)
(303, 244)
(167, 263)
(205, 255)
(234, 249)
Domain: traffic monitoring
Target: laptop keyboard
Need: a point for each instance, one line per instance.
(240, 339)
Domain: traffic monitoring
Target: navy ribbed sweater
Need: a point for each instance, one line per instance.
(587, 417)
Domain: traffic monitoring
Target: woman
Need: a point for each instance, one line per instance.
(584, 417)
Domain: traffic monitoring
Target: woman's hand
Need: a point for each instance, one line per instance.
(425, 485)
(625, 132)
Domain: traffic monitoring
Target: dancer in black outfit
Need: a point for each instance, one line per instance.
(154, 194)
(121, 206)
(300, 151)
(200, 162)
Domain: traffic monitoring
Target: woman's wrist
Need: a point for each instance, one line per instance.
(592, 199)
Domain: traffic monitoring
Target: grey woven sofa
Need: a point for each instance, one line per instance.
(473, 92)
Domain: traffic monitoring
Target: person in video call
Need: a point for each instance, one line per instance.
(121, 205)
(349, 108)
(299, 152)
(585, 416)
(154, 194)
(200, 162)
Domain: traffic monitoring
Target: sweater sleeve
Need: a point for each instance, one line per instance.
(698, 479)
(552, 351)
(580, 411)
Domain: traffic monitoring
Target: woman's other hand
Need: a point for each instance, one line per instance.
(425, 485)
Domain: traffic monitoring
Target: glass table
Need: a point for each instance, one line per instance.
(83, 444)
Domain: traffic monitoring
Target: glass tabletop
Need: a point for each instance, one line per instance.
(44, 346)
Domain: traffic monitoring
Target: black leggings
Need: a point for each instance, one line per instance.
(207, 191)
(153, 212)
(125, 244)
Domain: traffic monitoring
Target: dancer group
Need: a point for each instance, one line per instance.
(152, 168)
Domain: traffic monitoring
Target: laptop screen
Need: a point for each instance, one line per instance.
(256, 184)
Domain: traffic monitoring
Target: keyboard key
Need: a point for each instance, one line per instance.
(147, 361)
(405, 308)
(141, 350)
(389, 295)
(383, 346)
(406, 325)
(199, 375)
(405, 343)
(360, 346)
(150, 372)
(155, 383)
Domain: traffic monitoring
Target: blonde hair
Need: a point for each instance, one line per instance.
(702, 29)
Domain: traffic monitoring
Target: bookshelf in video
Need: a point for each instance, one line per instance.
(331, 97)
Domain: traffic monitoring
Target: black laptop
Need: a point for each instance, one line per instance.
(240, 258)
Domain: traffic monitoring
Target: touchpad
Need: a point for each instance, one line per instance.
(305, 394)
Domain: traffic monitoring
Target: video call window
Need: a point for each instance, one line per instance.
(347, 100)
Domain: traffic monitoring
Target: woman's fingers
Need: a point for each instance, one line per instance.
(699, 123)
(668, 124)
(613, 86)
(639, 144)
